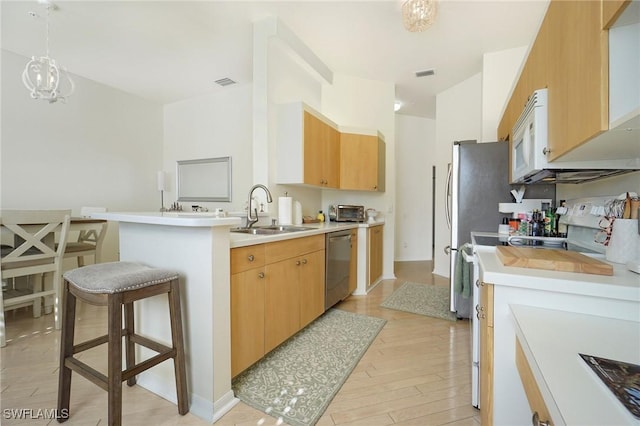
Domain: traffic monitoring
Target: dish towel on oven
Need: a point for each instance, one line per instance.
(463, 273)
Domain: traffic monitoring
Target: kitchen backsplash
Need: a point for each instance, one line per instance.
(611, 186)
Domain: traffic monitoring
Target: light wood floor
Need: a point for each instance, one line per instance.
(416, 372)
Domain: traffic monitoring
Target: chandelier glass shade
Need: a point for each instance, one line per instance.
(418, 15)
(44, 78)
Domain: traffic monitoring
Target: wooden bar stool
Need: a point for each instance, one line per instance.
(117, 285)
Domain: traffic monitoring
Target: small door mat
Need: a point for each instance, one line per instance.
(421, 299)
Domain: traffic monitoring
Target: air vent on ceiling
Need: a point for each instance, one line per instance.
(425, 73)
(225, 82)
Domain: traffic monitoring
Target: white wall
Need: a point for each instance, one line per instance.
(415, 158)
(499, 71)
(101, 148)
(209, 126)
(458, 117)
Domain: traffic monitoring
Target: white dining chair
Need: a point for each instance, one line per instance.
(89, 241)
(32, 252)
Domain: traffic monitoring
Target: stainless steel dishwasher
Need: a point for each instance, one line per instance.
(338, 259)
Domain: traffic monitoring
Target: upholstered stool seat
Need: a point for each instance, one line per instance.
(117, 285)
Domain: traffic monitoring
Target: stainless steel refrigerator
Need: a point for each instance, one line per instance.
(477, 181)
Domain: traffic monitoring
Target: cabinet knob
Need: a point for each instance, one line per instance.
(375, 187)
(250, 258)
(535, 420)
(260, 274)
(304, 261)
(478, 283)
(545, 151)
(480, 315)
(297, 263)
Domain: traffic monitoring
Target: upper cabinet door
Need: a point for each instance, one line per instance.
(362, 162)
(321, 153)
(578, 79)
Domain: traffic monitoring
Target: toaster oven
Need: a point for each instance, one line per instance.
(346, 213)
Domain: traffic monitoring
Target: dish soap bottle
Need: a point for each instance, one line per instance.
(320, 216)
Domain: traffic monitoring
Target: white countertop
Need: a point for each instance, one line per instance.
(242, 240)
(189, 219)
(623, 284)
(210, 219)
(572, 392)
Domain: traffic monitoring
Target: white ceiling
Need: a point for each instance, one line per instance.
(171, 50)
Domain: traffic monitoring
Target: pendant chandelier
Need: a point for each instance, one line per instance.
(42, 75)
(418, 15)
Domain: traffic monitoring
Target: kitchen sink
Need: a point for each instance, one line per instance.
(270, 230)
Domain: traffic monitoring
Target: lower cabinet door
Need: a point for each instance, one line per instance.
(247, 319)
(312, 276)
(282, 302)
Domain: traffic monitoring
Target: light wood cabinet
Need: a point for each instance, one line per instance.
(311, 279)
(570, 58)
(534, 396)
(362, 162)
(295, 287)
(321, 153)
(353, 266)
(374, 254)
(308, 147)
(247, 306)
(282, 302)
(485, 314)
(311, 150)
(276, 290)
(611, 11)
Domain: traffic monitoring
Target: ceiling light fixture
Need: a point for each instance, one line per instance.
(42, 76)
(418, 15)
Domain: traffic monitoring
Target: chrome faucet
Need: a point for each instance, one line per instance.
(250, 219)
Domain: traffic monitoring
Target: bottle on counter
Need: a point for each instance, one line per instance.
(561, 229)
(320, 216)
(549, 223)
(537, 226)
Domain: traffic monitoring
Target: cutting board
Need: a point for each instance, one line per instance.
(552, 259)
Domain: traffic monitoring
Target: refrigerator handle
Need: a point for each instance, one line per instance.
(447, 195)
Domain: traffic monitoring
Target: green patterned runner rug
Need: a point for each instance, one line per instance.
(422, 299)
(298, 379)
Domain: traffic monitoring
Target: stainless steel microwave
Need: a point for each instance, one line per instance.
(346, 213)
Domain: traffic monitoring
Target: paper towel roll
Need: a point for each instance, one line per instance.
(284, 210)
(297, 213)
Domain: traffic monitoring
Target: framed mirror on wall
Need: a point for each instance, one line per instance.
(207, 179)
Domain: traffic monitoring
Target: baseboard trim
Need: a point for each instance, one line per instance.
(198, 406)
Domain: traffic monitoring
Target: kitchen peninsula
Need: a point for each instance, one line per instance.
(605, 299)
(197, 246)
